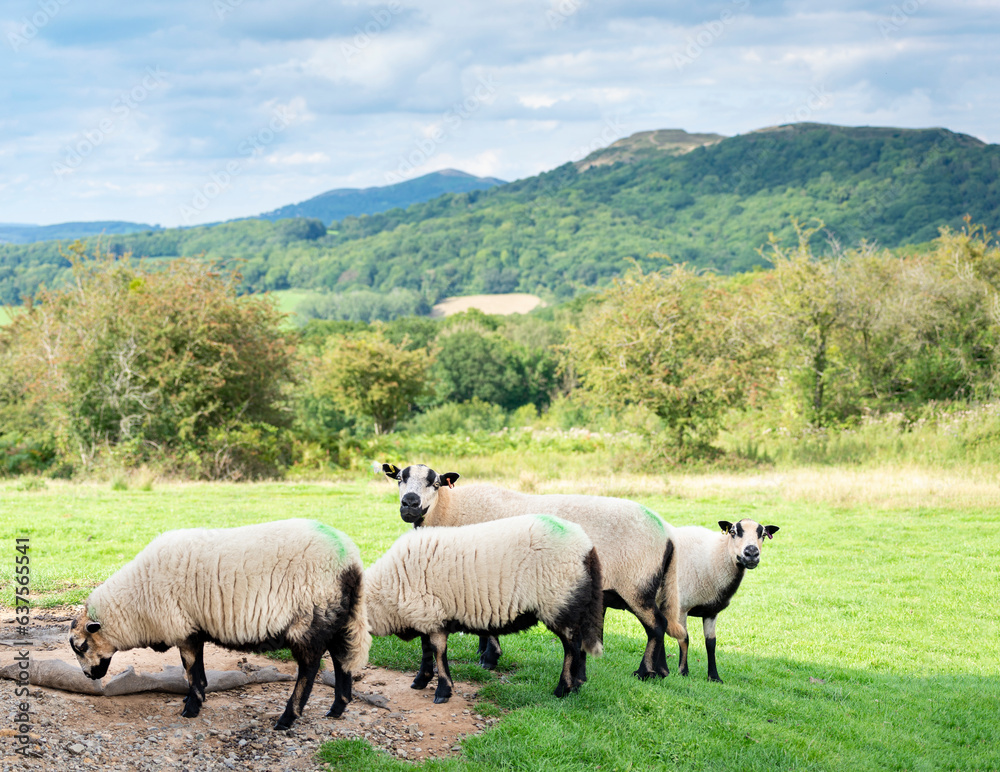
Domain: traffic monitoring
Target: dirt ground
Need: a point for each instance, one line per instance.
(235, 728)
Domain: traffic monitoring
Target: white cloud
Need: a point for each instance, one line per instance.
(362, 91)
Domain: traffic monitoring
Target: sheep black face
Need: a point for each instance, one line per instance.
(418, 489)
(91, 647)
(745, 540)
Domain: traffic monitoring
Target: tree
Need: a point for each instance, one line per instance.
(674, 342)
(164, 359)
(808, 306)
(370, 377)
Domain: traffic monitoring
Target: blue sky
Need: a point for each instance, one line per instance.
(187, 111)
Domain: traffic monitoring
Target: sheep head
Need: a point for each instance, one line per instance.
(91, 646)
(745, 540)
(418, 489)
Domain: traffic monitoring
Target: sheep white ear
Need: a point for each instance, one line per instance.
(93, 627)
(392, 472)
(770, 530)
(450, 478)
(725, 525)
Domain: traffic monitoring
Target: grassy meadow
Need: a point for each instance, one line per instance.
(869, 637)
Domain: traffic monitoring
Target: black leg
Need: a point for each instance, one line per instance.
(571, 653)
(440, 643)
(708, 625)
(489, 651)
(308, 662)
(426, 672)
(343, 685)
(192, 656)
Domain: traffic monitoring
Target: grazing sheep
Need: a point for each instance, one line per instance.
(710, 567)
(291, 583)
(634, 543)
(491, 578)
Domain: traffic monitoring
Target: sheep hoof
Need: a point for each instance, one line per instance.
(643, 675)
(191, 708)
(438, 699)
(715, 679)
(337, 710)
(284, 724)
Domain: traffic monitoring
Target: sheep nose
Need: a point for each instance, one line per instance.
(752, 553)
(410, 500)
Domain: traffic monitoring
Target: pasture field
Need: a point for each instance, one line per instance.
(868, 638)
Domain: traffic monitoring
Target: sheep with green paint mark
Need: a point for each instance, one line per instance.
(635, 544)
(490, 578)
(294, 584)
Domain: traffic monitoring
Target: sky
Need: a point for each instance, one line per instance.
(180, 112)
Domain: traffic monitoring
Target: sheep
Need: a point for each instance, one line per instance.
(634, 543)
(710, 567)
(489, 578)
(290, 583)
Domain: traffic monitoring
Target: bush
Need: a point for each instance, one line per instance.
(157, 362)
(459, 418)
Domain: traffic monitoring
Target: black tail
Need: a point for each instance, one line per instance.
(592, 622)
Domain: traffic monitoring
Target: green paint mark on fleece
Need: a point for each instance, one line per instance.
(334, 536)
(654, 517)
(92, 613)
(554, 525)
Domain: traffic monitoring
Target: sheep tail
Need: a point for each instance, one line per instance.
(669, 600)
(592, 624)
(357, 639)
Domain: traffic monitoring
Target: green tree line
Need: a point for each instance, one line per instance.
(173, 369)
(566, 231)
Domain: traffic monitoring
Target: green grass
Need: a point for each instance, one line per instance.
(868, 639)
(290, 299)
(6, 314)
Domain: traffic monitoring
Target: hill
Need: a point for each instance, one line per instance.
(15, 233)
(353, 202)
(565, 230)
(647, 144)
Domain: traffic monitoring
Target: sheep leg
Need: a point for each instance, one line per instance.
(654, 658)
(426, 672)
(682, 657)
(343, 683)
(440, 643)
(708, 625)
(192, 656)
(489, 651)
(569, 677)
(308, 662)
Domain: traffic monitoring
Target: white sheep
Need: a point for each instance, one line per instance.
(710, 567)
(490, 578)
(291, 583)
(634, 543)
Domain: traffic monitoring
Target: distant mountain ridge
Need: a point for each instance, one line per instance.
(710, 203)
(17, 233)
(335, 205)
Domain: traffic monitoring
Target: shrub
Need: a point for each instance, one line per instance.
(159, 361)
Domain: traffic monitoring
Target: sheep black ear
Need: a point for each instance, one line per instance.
(450, 478)
(771, 530)
(725, 525)
(392, 472)
(93, 627)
